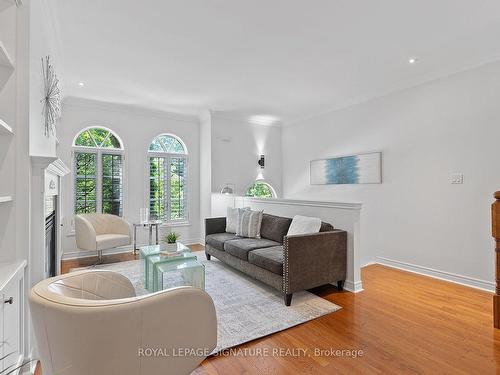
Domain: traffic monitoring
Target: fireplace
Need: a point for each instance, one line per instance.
(51, 235)
(46, 211)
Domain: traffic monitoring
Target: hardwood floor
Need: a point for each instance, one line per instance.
(402, 322)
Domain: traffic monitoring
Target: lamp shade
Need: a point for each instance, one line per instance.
(227, 190)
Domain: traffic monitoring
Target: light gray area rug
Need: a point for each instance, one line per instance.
(246, 308)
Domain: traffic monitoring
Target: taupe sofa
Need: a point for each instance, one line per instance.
(287, 263)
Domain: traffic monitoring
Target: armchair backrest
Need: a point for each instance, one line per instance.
(80, 332)
(106, 223)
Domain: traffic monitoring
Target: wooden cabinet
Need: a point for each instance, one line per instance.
(12, 314)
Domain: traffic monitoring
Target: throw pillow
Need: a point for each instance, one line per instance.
(232, 219)
(304, 225)
(249, 223)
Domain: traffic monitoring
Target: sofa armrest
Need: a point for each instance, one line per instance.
(215, 225)
(315, 259)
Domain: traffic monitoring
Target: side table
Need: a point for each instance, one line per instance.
(149, 225)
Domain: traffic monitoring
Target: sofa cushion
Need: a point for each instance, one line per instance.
(240, 247)
(217, 240)
(326, 227)
(270, 258)
(274, 227)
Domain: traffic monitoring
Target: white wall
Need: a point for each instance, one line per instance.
(236, 147)
(137, 128)
(425, 133)
(43, 42)
(205, 170)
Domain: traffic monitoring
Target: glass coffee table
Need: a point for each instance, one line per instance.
(179, 268)
(183, 272)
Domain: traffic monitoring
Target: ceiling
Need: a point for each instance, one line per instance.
(280, 58)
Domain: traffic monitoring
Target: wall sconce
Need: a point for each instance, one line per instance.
(228, 189)
(261, 162)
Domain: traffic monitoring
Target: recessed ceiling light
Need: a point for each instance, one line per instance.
(81, 84)
(412, 60)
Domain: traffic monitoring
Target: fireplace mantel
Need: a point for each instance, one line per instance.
(43, 167)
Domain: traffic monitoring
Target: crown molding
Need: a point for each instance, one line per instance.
(399, 87)
(216, 114)
(74, 101)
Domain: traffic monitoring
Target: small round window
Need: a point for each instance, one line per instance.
(261, 190)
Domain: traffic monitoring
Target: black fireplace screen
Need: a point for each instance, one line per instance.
(50, 243)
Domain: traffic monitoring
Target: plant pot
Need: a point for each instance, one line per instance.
(171, 247)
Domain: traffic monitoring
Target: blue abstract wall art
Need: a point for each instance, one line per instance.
(352, 169)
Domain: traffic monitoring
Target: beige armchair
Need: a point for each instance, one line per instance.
(98, 232)
(91, 322)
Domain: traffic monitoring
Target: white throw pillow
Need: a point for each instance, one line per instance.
(304, 225)
(232, 219)
(249, 223)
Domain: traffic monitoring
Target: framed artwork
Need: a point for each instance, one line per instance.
(351, 169)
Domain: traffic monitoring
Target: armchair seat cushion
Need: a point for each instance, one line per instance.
(217, 240)
(109, 241)
(242, 246)
(269, 258)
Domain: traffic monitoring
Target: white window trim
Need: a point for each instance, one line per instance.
(166, 155)
(98, 151)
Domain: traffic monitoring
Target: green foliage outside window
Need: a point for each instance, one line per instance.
(167, 179)
(260, 190)
(88, 172)
(97, 137)
(85, 181)
(112, 184)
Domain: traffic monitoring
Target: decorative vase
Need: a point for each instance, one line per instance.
(144, 215)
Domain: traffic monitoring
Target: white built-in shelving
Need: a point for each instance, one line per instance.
(6, 65)
(5, 199)
(4, 4)
(5, 129)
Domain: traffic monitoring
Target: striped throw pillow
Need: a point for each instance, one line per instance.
(249, 223)
(232, 218)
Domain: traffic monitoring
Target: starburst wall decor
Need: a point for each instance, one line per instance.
(51, 102)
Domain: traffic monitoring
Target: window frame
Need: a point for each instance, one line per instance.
(98, 151)
(168, 156)
(273, 191)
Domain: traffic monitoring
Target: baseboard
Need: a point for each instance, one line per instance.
(354, 287)
(436, 274)
(118, 250)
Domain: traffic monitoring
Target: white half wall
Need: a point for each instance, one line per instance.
(416, 216)
(344, 216)
(137, 128)
(236, 147)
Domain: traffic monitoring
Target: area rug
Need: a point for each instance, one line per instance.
(246, 308)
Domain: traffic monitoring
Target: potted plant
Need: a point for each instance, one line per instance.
(171, 240)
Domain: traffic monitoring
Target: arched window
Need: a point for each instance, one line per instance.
(98, 171)
(261, 189)
(168, 193)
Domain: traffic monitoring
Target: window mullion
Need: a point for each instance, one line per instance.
(99, 182)
(166, 185)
